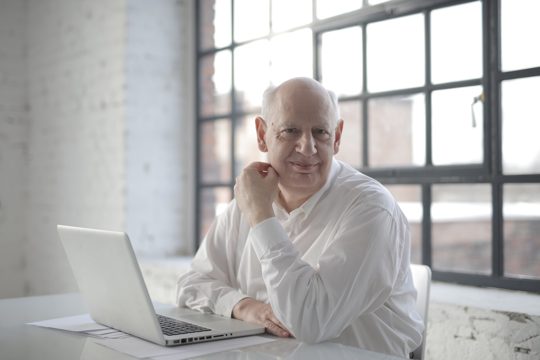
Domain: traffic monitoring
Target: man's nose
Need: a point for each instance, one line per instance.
(306, 145)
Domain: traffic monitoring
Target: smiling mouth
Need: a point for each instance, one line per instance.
(304, 168)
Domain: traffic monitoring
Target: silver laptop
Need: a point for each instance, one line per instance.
(113, 288)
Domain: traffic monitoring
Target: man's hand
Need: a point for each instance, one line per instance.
(255, 190)
(257, 312)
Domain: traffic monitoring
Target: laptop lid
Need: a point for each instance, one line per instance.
(110, 280)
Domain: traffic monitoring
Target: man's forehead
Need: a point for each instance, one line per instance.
(319, 122)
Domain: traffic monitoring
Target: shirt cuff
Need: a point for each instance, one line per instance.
(268, 235)
(225, 304)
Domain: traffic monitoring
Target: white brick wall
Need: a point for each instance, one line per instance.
(77, 106)
(13, 146)
(157, 122)
(100, 141)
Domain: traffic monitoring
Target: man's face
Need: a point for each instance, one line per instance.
(301, 139)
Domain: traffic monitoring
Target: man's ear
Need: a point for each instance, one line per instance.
(337, 139)
(260, 126)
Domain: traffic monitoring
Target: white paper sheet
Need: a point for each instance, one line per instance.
(83, 324)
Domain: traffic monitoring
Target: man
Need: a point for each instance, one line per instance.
(310, 247)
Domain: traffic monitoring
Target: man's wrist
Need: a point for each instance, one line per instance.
(239, 307)
(259, 217)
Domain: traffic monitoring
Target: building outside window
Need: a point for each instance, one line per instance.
(439, 100)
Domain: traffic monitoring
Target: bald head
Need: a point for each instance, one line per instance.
(303, 94)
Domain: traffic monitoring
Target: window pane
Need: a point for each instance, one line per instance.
(215, 23)
(287, 14)
(292, 55)
(215, 150)
(251, 74)
(520, 31)
(341, 66)
(456, 43)
(461, 228)
(453, 122)
(213, 202)
(215, 81)
(251, 19)
(521, 211)
(350, 149)
(409, 198)
(397, 131)
(521, 126)
(395, 53)
(328, 8)
(246, 147)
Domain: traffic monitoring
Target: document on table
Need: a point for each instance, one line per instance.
(133, 346)
(82, 324)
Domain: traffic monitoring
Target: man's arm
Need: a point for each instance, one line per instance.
(355, 275)
(208, 286)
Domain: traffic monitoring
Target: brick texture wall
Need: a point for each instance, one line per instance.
(13, 146)
(77, 106)
(157, 126)
(90, 131)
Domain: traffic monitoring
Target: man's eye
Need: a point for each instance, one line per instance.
(321, 133)
(290, 131)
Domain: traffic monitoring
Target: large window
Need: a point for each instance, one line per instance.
(439, 100)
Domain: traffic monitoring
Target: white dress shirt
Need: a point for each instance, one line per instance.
(336, 268)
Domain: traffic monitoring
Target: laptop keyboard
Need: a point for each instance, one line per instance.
(171, 327)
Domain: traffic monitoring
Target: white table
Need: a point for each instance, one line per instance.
(26, 342)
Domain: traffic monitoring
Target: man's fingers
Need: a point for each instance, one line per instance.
(276, 321)
(259, 166)
(272, 172)
(274, 329)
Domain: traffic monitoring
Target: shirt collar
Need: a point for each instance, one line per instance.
(310, 203)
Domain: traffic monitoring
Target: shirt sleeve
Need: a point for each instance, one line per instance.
(208, 285)
(355, 273)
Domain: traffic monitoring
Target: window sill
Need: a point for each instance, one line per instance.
(485, 298)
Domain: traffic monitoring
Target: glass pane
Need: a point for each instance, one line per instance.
(215, 23)
(521, 211)
(328, 8)
(213, 202)
(461, 228)
(341, 66)
(287, 14)
(285, 65)
(520, 126)
(395, 53)
(350, 149)
(453, 122)
(397, 131)
(215, 151)
(246, 148)
(520, 31)
(409, 198)
(251, 74)
(456, 43)
(251, 19)
(215, 81)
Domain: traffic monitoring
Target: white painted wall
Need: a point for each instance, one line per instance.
(158, 124)
(75, 81)
(13, 147)
(91, 131)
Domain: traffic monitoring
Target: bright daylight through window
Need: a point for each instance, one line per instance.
(439, 100)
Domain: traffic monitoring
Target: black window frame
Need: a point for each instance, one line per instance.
(489, 172)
